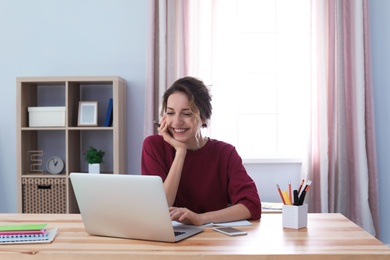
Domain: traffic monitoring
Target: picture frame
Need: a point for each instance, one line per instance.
(88, 113)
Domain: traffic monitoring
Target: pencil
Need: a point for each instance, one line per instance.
(280, 193)
(289, 191)
(300, 186)
(286, 198)
(308, 186)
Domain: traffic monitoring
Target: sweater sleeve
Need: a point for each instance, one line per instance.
(242, 189)
(153, 154)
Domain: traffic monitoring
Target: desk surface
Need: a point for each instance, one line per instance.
(327, 236)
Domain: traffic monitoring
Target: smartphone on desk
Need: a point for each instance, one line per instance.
(230, 231)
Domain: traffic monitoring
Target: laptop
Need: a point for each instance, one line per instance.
(127, 206)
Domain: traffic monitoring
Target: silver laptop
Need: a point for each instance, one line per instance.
(127, 206)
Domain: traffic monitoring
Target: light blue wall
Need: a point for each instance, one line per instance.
(380, 45)
(109, 37)
(70, 38)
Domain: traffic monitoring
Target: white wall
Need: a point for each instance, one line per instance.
(380, 45)
(70, 38)
(267, 175)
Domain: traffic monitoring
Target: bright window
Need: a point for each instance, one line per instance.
(260, 69)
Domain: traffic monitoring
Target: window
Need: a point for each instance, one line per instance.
(260, 75)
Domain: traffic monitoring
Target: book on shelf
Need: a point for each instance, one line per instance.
(26, 233)
(109, 114)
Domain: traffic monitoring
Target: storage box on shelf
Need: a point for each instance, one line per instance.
(44, 195)
(46, 116)
(47, 113)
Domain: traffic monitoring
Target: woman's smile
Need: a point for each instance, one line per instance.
(179, 130)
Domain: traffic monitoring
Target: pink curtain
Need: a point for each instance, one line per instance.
(341, 158)
(168, 54)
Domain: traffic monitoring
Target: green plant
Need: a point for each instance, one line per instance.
(94, 156)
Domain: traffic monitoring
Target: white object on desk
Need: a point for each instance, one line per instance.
(294, 216)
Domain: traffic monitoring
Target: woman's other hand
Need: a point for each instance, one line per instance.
(185, 216)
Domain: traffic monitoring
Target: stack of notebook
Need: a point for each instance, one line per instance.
(26, 233)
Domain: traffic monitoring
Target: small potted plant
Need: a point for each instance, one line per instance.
(94, 157)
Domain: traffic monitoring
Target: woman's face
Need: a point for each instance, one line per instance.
(180, 119)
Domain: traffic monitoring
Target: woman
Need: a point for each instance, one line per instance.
(204, 179)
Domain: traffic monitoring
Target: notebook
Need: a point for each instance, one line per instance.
(126, 206)
(26, 238)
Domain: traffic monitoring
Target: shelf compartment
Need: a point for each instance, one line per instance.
(34, 94)
(101, 92)
(38, 146)
(101, 140)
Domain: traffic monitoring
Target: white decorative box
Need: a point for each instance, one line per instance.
(46, 116)
(294, 216)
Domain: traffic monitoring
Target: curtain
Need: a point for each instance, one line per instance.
(168, 55)
(341, 159)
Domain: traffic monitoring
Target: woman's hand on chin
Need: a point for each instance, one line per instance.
(168, 136)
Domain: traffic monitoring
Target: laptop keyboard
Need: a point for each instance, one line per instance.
(178, 233)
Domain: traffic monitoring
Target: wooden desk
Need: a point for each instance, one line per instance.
(328, 236)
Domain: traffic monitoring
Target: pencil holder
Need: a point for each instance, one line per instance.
(294, 216)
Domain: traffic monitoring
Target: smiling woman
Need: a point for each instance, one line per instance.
(204, 179)
(181, 123)
(183, 105)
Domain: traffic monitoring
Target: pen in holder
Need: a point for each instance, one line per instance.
(294, 217)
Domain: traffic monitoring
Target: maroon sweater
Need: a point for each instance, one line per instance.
(213, 177)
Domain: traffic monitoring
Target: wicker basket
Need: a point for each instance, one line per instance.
(44, 195)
